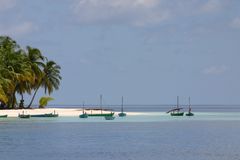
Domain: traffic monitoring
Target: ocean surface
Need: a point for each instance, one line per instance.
(212, 135)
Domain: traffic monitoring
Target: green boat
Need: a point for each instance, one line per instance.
(84, 114)
(122, 114)
(45, 115)
(176, 111)
(24, 115)
(3, 116)
(189, 109)
(101, 114)
(189, 114)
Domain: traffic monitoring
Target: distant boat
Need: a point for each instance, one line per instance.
(84, 114)
(100, 114)
(45, 115)
(109, 117)
(4, 116)
(176, 111)
(122, 114)
(24, 115)
(100, 109)
(189, 109)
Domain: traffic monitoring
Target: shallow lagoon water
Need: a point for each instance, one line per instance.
(153, 136)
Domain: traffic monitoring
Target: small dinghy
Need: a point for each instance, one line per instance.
(109, 117)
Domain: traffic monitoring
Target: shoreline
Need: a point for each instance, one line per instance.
(63, 112)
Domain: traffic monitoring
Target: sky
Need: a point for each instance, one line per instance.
(149, 51)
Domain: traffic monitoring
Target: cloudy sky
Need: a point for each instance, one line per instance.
(149, 51)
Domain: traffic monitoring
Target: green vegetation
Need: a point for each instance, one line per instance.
(44, 101)
(24, 71)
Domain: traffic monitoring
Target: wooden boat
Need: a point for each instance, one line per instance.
(109, 117)
(84, 114)
(122, 114)
(4, 116)
(176, 111)
(24, 115)
(189, 114)
(45, 115)
(101, 114)
(189, 109)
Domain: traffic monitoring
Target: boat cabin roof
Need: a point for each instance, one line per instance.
(175, 109)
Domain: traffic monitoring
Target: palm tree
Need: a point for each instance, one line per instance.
(50, 79)
(24, 71)
(35, 59)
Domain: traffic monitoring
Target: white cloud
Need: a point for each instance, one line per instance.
(7, 4)
(236, 23)
(17, 30)
(215, 70)
(134, 12)
(212, 6)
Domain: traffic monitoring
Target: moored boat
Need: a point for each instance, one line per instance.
(4, 116)
(176, 111)
(189, 109)
(84, 114)
(45, 115)
(109, 117)
(189, 114)
(23, 115)
(101, 114)
(122, 114)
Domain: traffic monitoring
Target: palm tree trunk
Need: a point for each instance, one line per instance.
(13, 99)
(33, 96)
(21, 104)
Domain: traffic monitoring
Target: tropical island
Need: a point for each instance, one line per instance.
(24, 71)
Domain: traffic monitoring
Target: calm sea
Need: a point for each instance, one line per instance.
(150, 135)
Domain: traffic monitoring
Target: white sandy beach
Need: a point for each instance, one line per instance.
(66, 112)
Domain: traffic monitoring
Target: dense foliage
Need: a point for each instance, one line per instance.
(24, 71)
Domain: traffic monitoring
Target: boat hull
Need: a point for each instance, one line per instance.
(189, 114)
(177, 114)
(24, 116)
(3, 116)
(83, 116)
(122, 114)
(101, 115)
(45, 115)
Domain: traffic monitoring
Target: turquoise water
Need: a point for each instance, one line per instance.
(153, 136)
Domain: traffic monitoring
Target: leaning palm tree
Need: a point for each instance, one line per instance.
(35, 59)
(50, 79)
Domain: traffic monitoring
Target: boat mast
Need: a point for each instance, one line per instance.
(101, 103)
(122, 105)
(189, 107)
(83, 107)
(177, 102)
